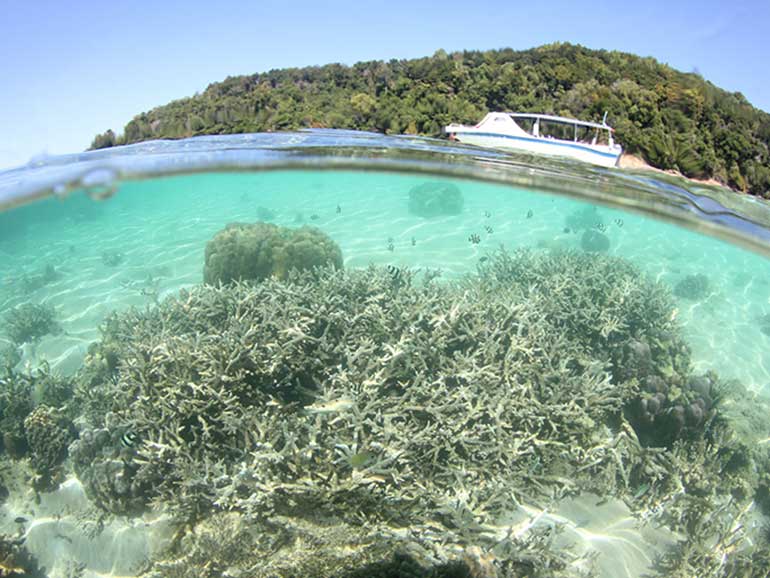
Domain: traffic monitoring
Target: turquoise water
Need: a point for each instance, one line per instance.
(200, 427)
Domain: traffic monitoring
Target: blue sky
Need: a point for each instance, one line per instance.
(69, 70)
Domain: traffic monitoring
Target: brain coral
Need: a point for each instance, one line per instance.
(432, 199)
(254, 252)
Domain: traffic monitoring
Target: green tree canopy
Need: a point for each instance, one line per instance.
(674, 120)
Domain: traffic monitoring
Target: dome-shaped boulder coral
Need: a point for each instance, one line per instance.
(256, 251)
(594, 242)
(433, 199)
(48, 435)
(693, 287)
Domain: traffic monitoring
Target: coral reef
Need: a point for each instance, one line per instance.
(15, 561)
(594, 241)
(48, 434)
(30, 283)
(15, 406)
(19, 394)
(433, 199)
(693, 287)
(257, 251)
(30, 322)
(583, 219)
(231, 544)
(107, 468)
(10, 356)
(355, 417)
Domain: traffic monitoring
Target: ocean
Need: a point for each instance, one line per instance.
(331, 353)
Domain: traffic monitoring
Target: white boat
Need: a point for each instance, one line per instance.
(546, 134)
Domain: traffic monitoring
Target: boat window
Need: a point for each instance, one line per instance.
(525, 123)
(557, 130)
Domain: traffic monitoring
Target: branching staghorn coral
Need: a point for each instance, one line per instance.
(370, 401)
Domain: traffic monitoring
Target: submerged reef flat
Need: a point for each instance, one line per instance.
(331, 422)
(340, 421)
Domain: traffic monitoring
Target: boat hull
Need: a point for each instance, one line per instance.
(594, 154)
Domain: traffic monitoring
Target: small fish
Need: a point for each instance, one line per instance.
(601, 227)
(641, 490)
(619, 222)
(334, 406)
(414, 241)
(567, 230)
(339, 209)
(394, 272)
(391, 247)
(474, 239)
(674, 314)
(487, 214)
(20, 520)
(483, 259)
(488, 229)
(128, 439)
(314, 217)
(530, 214)
(390, 239)
(360, 459)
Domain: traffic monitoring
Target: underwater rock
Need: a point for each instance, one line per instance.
(254, 252)
(112, 258)
(594, 242)
(764, 324)
(692, 287)
(433, 199)
(30, 322)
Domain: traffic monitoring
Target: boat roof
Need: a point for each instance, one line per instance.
(562, 119)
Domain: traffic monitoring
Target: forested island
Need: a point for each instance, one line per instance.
(674, 120)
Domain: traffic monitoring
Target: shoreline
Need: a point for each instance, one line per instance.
(635, 162)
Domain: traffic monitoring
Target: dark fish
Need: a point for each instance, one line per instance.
(20, 520)
(474, 239)
(483, 259)
(414, 241)
(601, 227)
(488, 229)
(619, 222)
(391, 247)
(394, 272)
(530, 214)
(487, 214)
(339, 209)
(566, 229)
(314, 217)
(128, 439)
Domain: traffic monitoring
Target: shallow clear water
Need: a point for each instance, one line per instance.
(324, 467)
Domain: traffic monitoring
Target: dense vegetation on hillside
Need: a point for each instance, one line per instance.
(674, 120)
